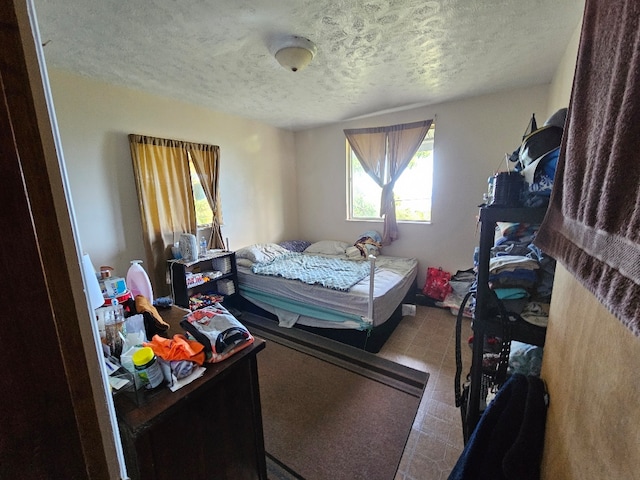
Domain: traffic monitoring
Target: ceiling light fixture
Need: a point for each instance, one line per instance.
(295, 53)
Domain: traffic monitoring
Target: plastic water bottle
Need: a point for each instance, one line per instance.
(203, 246)
(138, 281)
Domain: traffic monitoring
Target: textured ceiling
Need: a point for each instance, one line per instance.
(373, 55)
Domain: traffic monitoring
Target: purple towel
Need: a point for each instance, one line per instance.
(593, 223)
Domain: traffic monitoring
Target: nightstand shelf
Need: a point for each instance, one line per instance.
(214, 274)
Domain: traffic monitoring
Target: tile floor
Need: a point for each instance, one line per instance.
(426, 342)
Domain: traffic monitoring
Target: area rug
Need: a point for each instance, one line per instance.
(331, 411)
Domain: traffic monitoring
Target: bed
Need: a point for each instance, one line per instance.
(361, 309)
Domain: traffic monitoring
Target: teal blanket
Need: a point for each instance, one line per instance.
(334, 273)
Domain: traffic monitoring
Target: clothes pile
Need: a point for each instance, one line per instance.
(369, 243)
(512, 272)
(517, 263)
(461, 282)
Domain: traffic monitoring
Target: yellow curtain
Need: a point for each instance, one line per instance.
(206, 160)
(163, 181)
(384, 153)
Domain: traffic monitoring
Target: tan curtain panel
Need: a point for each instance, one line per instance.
(384, 153)
(165, 196)
(206, 160)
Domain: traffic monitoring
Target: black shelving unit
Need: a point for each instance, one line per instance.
(226, 284)
(485, 322)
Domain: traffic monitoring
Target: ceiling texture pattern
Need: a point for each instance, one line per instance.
(373, 55)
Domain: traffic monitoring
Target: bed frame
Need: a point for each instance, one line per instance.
(370, 340)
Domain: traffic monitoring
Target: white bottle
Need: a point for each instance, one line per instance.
(203, 246)
(138, 281)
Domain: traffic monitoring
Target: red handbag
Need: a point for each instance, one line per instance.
(437, 284)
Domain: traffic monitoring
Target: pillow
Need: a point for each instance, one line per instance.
(328, 247)
(244, 262)
(261, 252)
(295, 245)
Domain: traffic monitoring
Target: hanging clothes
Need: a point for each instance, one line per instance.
(507, 443)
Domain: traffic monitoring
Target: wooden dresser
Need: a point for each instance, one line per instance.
(211, 428)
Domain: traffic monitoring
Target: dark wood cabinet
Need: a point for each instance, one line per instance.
(215, 274)
(210, 428)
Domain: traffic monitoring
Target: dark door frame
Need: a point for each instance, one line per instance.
(54, 417)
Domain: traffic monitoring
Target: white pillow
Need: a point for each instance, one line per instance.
(244, 262)
(261, 252)
(328, 247)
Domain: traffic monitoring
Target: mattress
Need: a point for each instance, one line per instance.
(294, 302)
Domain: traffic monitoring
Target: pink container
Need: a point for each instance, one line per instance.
(138, 281)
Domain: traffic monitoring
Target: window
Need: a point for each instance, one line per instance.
(168, 187)
(412, 191)
(204, 214)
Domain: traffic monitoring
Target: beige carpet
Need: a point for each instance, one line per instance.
(335, 417)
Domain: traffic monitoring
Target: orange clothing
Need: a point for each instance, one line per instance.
(177, 348)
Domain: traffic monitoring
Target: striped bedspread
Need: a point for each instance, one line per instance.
(334, 273)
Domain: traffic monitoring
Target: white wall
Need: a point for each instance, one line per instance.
(257, 175)
(560, 91)
(472, 137)
(275, 184)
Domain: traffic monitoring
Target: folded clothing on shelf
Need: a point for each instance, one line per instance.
(513, 271)
(226, 287)
(222, 264)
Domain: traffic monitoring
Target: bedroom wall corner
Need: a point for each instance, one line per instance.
(258, 171)
(560, 90)
(472, 137)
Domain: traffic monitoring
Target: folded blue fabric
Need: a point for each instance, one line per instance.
(519, 278)
(510, 293)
